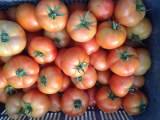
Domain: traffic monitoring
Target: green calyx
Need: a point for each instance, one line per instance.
(38, 54)
(84, 23)
(124, 56)
(77, 104)
(4, 37)
(131, 89)
(52, 13)
(136, 38)
(115, 26)
(142, 106)
(81, 66)
(140, 6)
(112, 95)
(26, 110)
(57, 42)
(21, 73)
(43, 80)
(8, 89)
(78, 79)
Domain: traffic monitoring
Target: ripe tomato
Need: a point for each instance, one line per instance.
(86, 81)
(21, 75)
(74, 102)
(120, 85)
(42, 49)
(25, 16)
(74, 62)
(66, 82)
(123, 61)
(61, 38)
(110, 35)
(3, 96)
(102, 9)
(55, 103)
(138, 81)
(2, 16)
(107, 101)
(91, 94)
(50, 80)
(90, 46)
(3, 81)
(11, 13)
(104, 76)
(135, 103)
(133, 13)
(52, 15)
(13, 38)
(13, 105)
(99, 60)
(82, 26)
(5, 59)
(145, 61)
(30, 88)
(75, 6)
(35, 104)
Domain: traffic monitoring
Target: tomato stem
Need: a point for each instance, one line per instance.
(8, 89)
(43, 80)
(4, 37)
(142, 106)
(38, 54)
(139, 6)
(124, 56)
(81, 66)
(57, 42)
(27, 110)
(136, 38)
(21, 73)
(131, 89)
(114, 25)
(77, 104)
(78, 79)
(112, 96)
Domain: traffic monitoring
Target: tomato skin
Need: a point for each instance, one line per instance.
(2, 16)
(129, 16)
(86, 81)
(120, 65)
(14, 36)
(120, 85)
(25, 16)
(90, 46)
(99, 60)
(110, 38)
(74, 102)
(138, 81)
(55, 102)
(75, 6)
(82, 34)
(3, 96)
(43, 14)
(3, 81)
(145, 61)
(74, 65)
(132, 103)
(21, 75)
(105, 102)
(5, 59)
(66, 82)
(42, 49)
(97, 6)
(11, 13)
(103, 77)
(39, 102)
(30, 88)
(91, 94)
(50, 80)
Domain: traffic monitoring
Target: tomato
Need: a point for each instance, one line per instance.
(99, 60)
(138, 81)
(135, 103)
(102, 9)
(6, 58)
(2, 16)
(120, 85)
(13, 38)
(3, 81)
(91, 94)
(13, 105)
(123, 61)
(11, 13)
(61, 38)
(75, 6)
(107, 101)
(30, 88)
(86, 81)
(55, 102)
(133, 13)
(145, 61)
(25, 16)
(74, 65)
(82, 26)
(21, 71)
(42, 49)
(3, 96)
(66, 82)
(90, 46)
(111, 35)
(104, 76)
(74, 102)
(52, 15)
(35, 104)
(50, 80)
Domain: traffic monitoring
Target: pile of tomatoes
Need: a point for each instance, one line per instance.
(57, 58)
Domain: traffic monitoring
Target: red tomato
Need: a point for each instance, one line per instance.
(120, 85)
(133, 13)
(3, 81)
(104, 76)
(74, 102)
(99, 60)
(66, 82)
(82, 26)
(90, 46)
(30, 88)
(2, 16)
(52, 15)
(86, 81)
(55, 102)
(74, 62)
(135, 103)
(138, 81)
(123, 61)
(107, 101)
(21, 75)
(102, 9)
(75, 6)
(42, 49)
(11, 13)
(91, 94)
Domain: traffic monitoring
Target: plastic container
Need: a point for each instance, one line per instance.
(152, 86)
